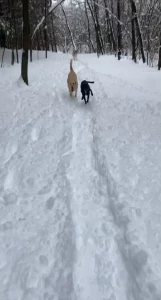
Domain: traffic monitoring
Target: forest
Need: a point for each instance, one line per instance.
(132, 27)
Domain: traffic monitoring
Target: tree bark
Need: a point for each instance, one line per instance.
(133, 35)
(26, 40)
(88, 25)
(97, 27)
(53, 32)
(45, 31)
(119, 33)
(111, 38)
(159, 60)
(3, 56)
(138, 30)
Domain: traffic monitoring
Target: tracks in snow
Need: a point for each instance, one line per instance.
(81, 240)
(98, 267)
(108, 263)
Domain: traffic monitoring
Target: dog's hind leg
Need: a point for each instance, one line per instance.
(83, 96)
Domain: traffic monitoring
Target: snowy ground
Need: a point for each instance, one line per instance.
(80, 186)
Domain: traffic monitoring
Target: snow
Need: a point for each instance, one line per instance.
(80, 184)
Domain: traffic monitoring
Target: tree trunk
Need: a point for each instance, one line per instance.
(53, 32)
(26, 40)
(3, 56)
(111, 38)
(45, 31)
(38, 42)
(133, 35)
(88, 25)
(97, 27)
(119, 33)
(138, 30)
(12, 56)
(159, 60)
(15, 30)
(30, 52)
(71, 35)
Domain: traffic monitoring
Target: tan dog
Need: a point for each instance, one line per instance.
(72, 81)
(74, 54)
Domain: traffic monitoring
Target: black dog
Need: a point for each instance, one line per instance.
(86, 90)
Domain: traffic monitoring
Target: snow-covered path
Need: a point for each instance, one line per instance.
(80, 185)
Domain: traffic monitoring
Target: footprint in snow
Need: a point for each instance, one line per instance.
(9, 198)
(50, 203)
(10, 151)
(43, 260)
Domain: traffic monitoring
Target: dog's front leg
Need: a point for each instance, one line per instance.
(88, 97)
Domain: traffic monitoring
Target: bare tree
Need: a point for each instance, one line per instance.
(159, 60)
(133, 33)
(119, 33)
(68, 26)
(26, 40)
(134, 13)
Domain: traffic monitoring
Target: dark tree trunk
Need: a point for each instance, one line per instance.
(138, 30)
(51, 36)
(53, 32)
(11, 32)
(26, 41)
(38, 42)
(45, 31)
(133, 35)
(108, 26)
(15, 30)
(30, 49)
(42, 40)
(30, 52)
(111, 38)
(12, 57)
(88, 25)
(119, 33)
(97, 27)
(159, 60)
(55, 45)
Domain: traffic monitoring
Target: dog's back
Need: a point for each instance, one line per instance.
(72, 75)
(85, 85)
(72, 80)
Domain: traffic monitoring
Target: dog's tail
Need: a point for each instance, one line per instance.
(90, 81)
(71, 68)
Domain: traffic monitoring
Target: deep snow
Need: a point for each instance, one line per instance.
(80, 186)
